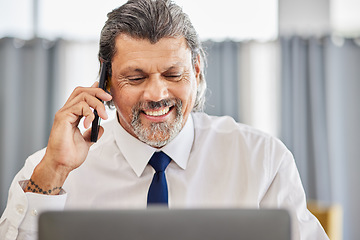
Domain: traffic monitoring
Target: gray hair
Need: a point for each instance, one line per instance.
(153, 20)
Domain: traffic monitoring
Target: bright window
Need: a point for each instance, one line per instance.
(345, 17)
(83, 20)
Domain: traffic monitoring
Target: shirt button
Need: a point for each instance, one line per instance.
(20, 209)
(34, 212)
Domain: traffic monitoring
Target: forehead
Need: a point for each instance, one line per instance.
(133, 50)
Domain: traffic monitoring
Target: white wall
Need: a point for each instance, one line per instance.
(305, 17)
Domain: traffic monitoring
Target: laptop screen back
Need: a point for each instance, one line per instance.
(165, 224)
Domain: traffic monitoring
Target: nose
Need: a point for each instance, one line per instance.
(156, 89)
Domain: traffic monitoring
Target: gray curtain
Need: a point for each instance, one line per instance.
(320, 119)
(303, 112)
(222, 78)
(28, 75)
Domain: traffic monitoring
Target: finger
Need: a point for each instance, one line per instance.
(74, 113)
(92, 101)
(88, 120)
(94, 91)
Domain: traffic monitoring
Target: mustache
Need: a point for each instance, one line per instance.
(151, 105)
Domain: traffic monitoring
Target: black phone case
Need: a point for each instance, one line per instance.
(102, 85)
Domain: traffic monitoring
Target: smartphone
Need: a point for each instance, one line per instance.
(102, 85)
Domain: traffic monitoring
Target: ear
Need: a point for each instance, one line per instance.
(197, 69)
(108, 84)
(109, 74)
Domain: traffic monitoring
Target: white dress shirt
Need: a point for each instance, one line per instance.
(216, 163)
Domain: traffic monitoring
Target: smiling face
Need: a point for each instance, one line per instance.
(153, 87)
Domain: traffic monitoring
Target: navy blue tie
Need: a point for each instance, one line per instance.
(158, 191)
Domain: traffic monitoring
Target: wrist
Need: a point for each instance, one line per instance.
(33, 186)
(47, 178)
(54, 168)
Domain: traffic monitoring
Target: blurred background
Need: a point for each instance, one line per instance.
(287, 67)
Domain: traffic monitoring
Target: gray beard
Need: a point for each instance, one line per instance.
(158, 134)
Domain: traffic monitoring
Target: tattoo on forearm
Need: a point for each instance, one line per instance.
(33, 187)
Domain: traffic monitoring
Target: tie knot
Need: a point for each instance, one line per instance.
(159, 161)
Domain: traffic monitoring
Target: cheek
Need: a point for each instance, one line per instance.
(187, 93)
(124, 99)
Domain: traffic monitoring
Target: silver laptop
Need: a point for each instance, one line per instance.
(165, 224)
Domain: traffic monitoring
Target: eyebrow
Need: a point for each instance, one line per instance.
(172, 68)
(139, 70)
(130, 69)
(176, 65)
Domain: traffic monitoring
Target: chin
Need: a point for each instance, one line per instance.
(158, 134)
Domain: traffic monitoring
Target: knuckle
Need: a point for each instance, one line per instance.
(83, 105)
(78, 90)
(83, 95)
(58, 114)
(85, 108)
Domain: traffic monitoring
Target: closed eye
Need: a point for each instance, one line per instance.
(173, 77)
(135, 78)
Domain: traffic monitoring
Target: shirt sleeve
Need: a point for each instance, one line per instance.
(19, 220)
(286, 191)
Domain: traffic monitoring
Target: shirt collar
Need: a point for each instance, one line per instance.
(138, 153)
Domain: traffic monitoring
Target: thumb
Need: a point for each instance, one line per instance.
(87, 135)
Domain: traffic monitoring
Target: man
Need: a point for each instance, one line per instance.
(157, 85)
